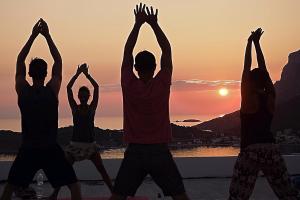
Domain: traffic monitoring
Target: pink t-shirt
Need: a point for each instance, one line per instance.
(146, 108)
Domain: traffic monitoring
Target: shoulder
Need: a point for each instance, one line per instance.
(24, 90)
(165, 76)
(51, 91)
(127, 77)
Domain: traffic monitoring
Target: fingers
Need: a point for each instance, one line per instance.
(143, 9)
(139, 8)
(147, 10)
(151, 11)
(259, 32)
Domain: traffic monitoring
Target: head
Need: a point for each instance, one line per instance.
(145, 65)
(83, 95)
(258, 78)
(38, 69)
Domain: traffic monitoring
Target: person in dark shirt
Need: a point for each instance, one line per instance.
(38, 104)
(258, 148)
(83, 145)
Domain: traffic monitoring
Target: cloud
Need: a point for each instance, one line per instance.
(202, 85)
(187, 85)
(110, 88)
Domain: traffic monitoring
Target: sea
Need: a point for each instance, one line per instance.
(115, 122)
(107, 122)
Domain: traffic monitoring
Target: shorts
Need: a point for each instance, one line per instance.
(153, 159)
(51, 160)
(79, 151)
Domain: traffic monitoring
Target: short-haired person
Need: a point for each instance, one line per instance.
(258, 148)
(38, 104)
(83, 145)
(147, 128)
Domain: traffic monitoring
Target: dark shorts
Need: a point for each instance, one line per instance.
(51, 159)
(155, 160)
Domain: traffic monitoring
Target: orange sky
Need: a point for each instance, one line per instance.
(208, 38)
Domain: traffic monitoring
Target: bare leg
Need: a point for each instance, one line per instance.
(96, 159)
(7, 192)
(180, 197)
(117, 197)
(55, 192)
(75, 191)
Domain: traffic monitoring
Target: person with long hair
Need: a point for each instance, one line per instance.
(258, 148)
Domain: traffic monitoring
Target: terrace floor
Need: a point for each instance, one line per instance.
(197, 189)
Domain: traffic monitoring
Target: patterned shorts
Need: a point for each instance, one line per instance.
(79, 151)
(267, 158)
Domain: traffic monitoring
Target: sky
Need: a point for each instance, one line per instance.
(208, 39)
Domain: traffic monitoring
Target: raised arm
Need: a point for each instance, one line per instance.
(56, 75)
(246, 74)
(166, 56)
(71, 99)
(140, 17)
(94, 102)
(261, 61)
(247, 60)
(20, 76)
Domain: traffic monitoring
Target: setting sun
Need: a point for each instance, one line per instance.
(223, 92)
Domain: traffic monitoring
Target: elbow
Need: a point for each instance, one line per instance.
(57, 59)
(167, 49)
(20, 59)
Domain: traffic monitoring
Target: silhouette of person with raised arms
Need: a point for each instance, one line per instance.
(258, 148)
(147, 128)
(83, 145)
(38, 104)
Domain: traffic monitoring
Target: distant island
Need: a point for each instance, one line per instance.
(188, 120)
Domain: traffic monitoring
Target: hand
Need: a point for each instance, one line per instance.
(151, 17)
(79, 70)
(85, 69)
(140, 14)
(44, 29)
(257, 34)
(36, 29)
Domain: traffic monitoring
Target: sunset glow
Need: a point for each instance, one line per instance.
(208, 40)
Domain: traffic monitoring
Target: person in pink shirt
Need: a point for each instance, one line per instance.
(147, 127)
